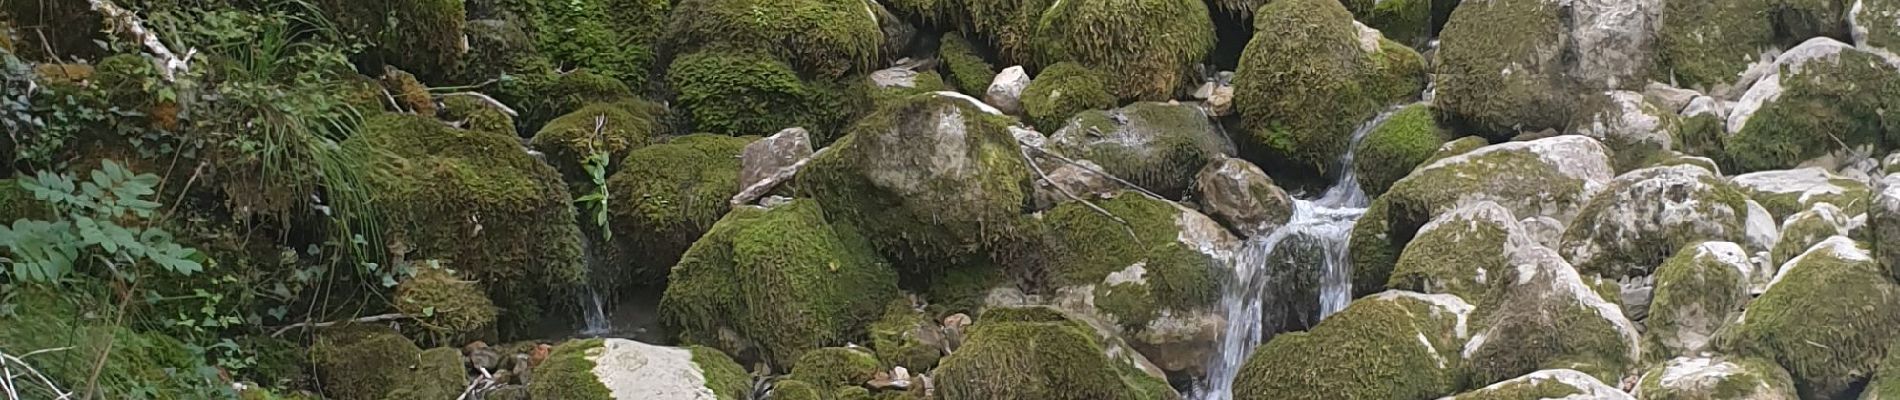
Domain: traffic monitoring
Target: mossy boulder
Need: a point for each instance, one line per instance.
(1637, 131)
(1393, 345)
(1645, 216)
(931, 180)
(665, 197)
(478, 202)
(606, 369)
(1550, 177)
(477, 113)
(836, 367)
(1408, 22)
(1883, 222)
(1455, 147)
(453, 310)
(1786, 192)
(1049, 357)
(1820, 86)
(1547, 384)
(1309, 78)
(616, 38)
(1062, 90)
(423, 36)
(1714, 378)
(1391, 150)
(1706, 45)
(1242, 197)
(741, 93)
(1500, 68)
(793, 389)
(1460, 252)
(1873, 25)
(964, 68)
(362, 361)
(1155, 145)
(824, 38)
(437, 373)
(541, 96)
(1544, 315)
(612, 128)
(786, 279)
(1153, 44)
(1697, 290)
(906, 337)
(1828, 317)
(1807, 228)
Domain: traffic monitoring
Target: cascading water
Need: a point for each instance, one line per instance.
(1327, 219)
(594, 313)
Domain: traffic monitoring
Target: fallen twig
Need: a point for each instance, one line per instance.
(486, 100)
(6, 375)
(372, 318)
(1024, 151)
(1118, 180)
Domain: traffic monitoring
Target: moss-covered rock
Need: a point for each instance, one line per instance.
(741, 93)
(1696, 292)
(497, 47)
(542, 96)
(1786, 192)
(1308, 79)
(1828, 317)
(1061, 91)
(725, 377)
(1807, 228)
(1459, 252)
(1712, 378)
(1883, 223)
(659, 207)
(478, 202)
(825, 38)
(1544, 315)
(1455, 147)
(1242, 197)
(1137, 278)
(964, 67)
(362, 361)
(1820, 86)
(1155, 145)
(1408, 22)
(930, 180)
(1550, 177)
(423, 36)
(437, 373)
(616, 38)
(784, 278)
(1500, 68)
(835, 367)
(1637, 131)
(612, 128)
(1152, 44)
(907, 338)
(1547, 384)
(1647, 215)
(1394, 345)
(476, 113)
(454, 310)
(1706, 45)
(1403, 142)
(1042, 358)
(793, 389)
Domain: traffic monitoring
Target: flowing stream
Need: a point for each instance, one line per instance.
(1328, 219)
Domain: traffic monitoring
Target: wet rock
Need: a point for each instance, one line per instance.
(1716, 378)
(1696, 292)
(1647, 215)
(1006, 91)
(1158, 146)
(1827, 316)
(1242, 197)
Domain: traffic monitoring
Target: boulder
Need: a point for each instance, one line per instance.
(1408, 22)
(1696, 292)
(1006, 91)
(607, 369)
(1082, 178)
(569, 142)
(930, 180)
(1462, 252)
(1647, 215)
(1786, 192)
(1307, 114)
(452, 309)
(1152, 45)
(1155, 145)
(1883, 221)
(769, 156)
(362, 362)
(823, 38)
(1062, 90)
(1501, 69)
(1820, 86)
(741, 93)
(1715, 378)
(1547, 384)
(542, 96)
(1550, 177)
(831, 368)
(1615, 42)
(437, 373)
(906, 337)
(1242, 197)
(656, 209)
(429, 40)
(1039, 355)
(1706, 45)
(1637, 131)
(478, 112)
(786, 280)
(1807, 228)
(1827, 316)
(1392, 149)
(1544, 315)
(1392, 345)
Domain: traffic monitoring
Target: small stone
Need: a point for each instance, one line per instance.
(894, 78)
(1221, 102)
(1006, 91)
(766, 157)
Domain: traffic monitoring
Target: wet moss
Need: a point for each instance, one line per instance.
(1828, 317)
(835, 367)
(568, 374)
(1153, 43)
(1061, 91)
(965, 67)
(825, 38)
(1393, 149)
(1843, 96)
(898, 338)
(453, 310)
(1374, 349)
(659, 208)
(741, 93)
(614, 128)
(725, 377)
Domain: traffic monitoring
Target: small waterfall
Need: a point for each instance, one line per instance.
(1328, 219)
(595, 313)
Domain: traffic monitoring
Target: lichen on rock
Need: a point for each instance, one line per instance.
(1696, 292)
(1645, 216)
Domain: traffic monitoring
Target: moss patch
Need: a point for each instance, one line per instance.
(614, 128)
(1828, 317)
(542, 96)
(1843, 96)
(1370, 350)
(617, 38)
(1154, 44)
(1083, 247)
(825, 38)
(454, 310)
(1696, 291)
(659, 208)
(568, 374)
(725, 377)
(1482, 40)
(965, 67)
(1056, 360)
(1157, 146)
(899, 338)
(1061, 91)
(363, 361)
(835, 367)
(1307, 114)
(1390, 151)
(741, 93)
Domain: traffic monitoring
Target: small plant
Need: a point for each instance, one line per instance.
(92, 225)
(596, 166)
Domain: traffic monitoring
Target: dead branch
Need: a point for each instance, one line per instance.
(1092, 170)
(129, 24)
(490, 101)
(1024, 151)
(368, 319)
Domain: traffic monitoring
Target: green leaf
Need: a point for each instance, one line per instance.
(90, 232)
(428, 311)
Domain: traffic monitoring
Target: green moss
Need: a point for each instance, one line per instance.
(1056, 360)
(1370, 350)
(438, 373)
(1455, 147)
(617, 38)
(659, 208)
(725, 377)
(477, 115)
(1828, 318)
(966, 68)
(614, 128)
(1698, 206)
(1709, 44)
(424, 36)
(1484, 38)
(784, 278)
(1543, 316)
(1061, 91)
(1390, 151)
(478, 202)
(1306, 114)
(568, 374)
(1408, 22)
(1083, 247)
(1696, 290)
(1398, 72)
(852, 393)
(77, 341)
(1741, 378)
(1374, 248)
(1157, 146)
(1787, 192)
(1523, 389)
(962, 289)
(496, 48)
(1455, 253)
(1870, 13)
(826, 38)
(792, 389)
(454, 310)
(1843, 96)
(1701, 135)
(741, 93)
(1152, 44)
(362, 361)
(1804, 229)
(835, 367)
(899, 338)
(542, 96)
(928, 194)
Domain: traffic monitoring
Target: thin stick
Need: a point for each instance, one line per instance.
(372, 318)
(1130, 185)
(1024, 151)
(486, 100)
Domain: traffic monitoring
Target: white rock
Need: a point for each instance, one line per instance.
(1614, 40)
(1705, 105)
(1629, 121)
(1589, 387)
(1006, 91)
(632, 370)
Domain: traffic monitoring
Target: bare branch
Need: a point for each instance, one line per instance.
(130, 25)
(372, 318)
